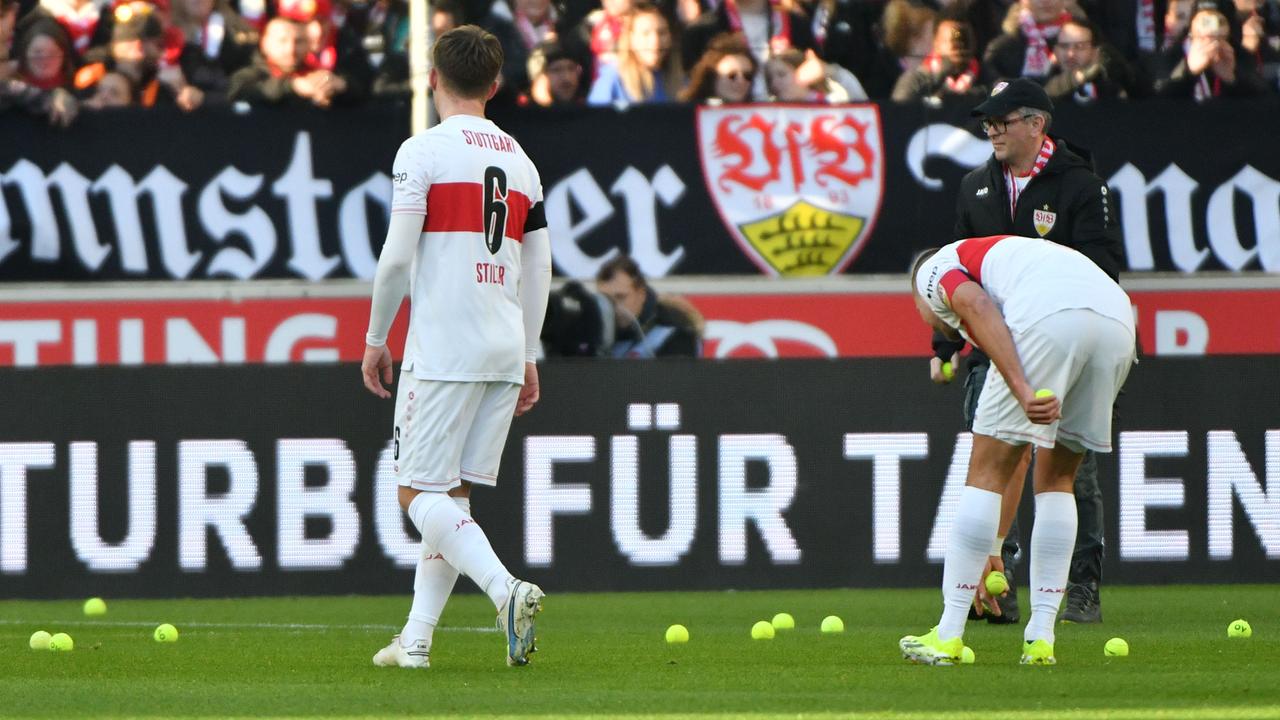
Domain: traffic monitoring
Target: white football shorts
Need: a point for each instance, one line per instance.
(1081, 356)
(449, 432)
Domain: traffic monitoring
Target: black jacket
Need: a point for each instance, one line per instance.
(1083, 213)
(667, 327)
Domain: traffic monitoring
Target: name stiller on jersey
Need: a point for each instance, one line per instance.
(481, 194)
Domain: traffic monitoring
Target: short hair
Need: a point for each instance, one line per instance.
(1036, 112)
(919, 261)
(468, 60)
(620, 264)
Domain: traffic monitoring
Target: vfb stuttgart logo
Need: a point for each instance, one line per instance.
(798, 187)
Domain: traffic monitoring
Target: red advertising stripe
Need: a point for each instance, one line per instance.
(739, 325)
(459, 207)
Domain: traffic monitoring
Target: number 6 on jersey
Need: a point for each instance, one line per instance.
(495, 208)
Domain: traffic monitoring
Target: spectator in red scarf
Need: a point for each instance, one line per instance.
(82, 20)
(217, 43)
(279, 73)
(341, 56)
(138, 50)
(1026, 47)
(770, 26)
(602, 29)
(725, 73)
(1089, 70)
(1213, 64)
(44, 53)
(520, 26)
(950, 70)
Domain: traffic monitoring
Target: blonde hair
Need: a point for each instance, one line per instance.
(637, 80)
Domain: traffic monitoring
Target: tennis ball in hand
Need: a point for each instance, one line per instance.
(61, 642)
(1116, 647)
(166, 633)
(762, 630)
(948, 371)
(95, 606)
(1239, 629)
(677, 634)
(832, 624)
(1044, 393)
(997, 583)
(40, 640)
(783, 621)
(966, 656)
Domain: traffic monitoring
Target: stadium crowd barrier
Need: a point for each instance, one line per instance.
(758, 189)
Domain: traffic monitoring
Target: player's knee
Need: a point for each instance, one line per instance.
(462, 491)
(406, 496)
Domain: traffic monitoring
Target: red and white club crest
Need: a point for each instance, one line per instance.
(799, 187)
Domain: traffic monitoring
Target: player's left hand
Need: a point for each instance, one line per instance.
(377, 362)
(529, 392)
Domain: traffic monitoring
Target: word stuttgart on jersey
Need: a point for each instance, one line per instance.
(501, 143)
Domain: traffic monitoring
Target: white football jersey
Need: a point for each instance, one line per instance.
(1027, 278)
(481, 194)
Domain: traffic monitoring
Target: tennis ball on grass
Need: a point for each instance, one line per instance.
(762, 630)
(1116, 647)
(166, 633)
(677, 634)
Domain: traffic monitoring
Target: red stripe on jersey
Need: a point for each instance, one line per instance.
(952, 280)
(972, 252)
(459, 207)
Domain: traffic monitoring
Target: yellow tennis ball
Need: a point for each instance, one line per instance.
(1239, 629)
(948, 371)
(1044, 393)
(1116, 647)
(61, 642)
(832, 624)
(677, 634)
(762, 630)
(166, 633)
(783, 621)
(95, 606)
(997, 583)
(40, 640)
(966, 656)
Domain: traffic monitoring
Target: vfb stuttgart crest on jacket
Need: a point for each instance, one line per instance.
(798, 187)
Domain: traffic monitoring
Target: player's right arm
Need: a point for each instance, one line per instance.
(411, 180)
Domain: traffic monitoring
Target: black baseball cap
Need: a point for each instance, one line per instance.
(1009, 96)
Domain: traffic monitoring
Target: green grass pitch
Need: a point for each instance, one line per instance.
(604, 656)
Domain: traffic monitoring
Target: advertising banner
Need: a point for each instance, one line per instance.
(222, 481)
(308, 329)
(782, 190)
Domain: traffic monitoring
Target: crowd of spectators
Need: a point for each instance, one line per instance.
(59, 55)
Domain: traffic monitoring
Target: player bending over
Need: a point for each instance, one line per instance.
(1048, 318)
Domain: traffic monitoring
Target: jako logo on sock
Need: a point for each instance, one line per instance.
(462, 523)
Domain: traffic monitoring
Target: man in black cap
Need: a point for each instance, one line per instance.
(1035, 185)
(555, 75)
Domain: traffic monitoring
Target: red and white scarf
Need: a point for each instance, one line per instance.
(1038, 61)
(1147, 25)
(79, 20)
(1205, 88)
(530, 33)
(779, 25)
(605, 35)
(956, 82)
(1010, 180)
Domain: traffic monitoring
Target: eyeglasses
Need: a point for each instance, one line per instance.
(1001, 125)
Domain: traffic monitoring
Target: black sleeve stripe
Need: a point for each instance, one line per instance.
(536, 219)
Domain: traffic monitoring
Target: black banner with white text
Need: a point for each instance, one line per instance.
(628, 476)
(772, 189)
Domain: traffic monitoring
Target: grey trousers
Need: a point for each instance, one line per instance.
(1086, 560)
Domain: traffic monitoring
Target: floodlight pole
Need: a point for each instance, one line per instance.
(423, 113)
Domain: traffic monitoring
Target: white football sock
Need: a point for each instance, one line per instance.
(432, 584)
(1053, 538)
(973, 529)
(456, 536)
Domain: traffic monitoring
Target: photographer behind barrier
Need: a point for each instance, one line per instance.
(624, 317)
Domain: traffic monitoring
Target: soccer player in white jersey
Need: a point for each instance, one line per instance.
(468, 239)
(1049, 319)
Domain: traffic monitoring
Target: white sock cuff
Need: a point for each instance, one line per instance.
(977, 500)
(1055, 504)
(464, 504)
